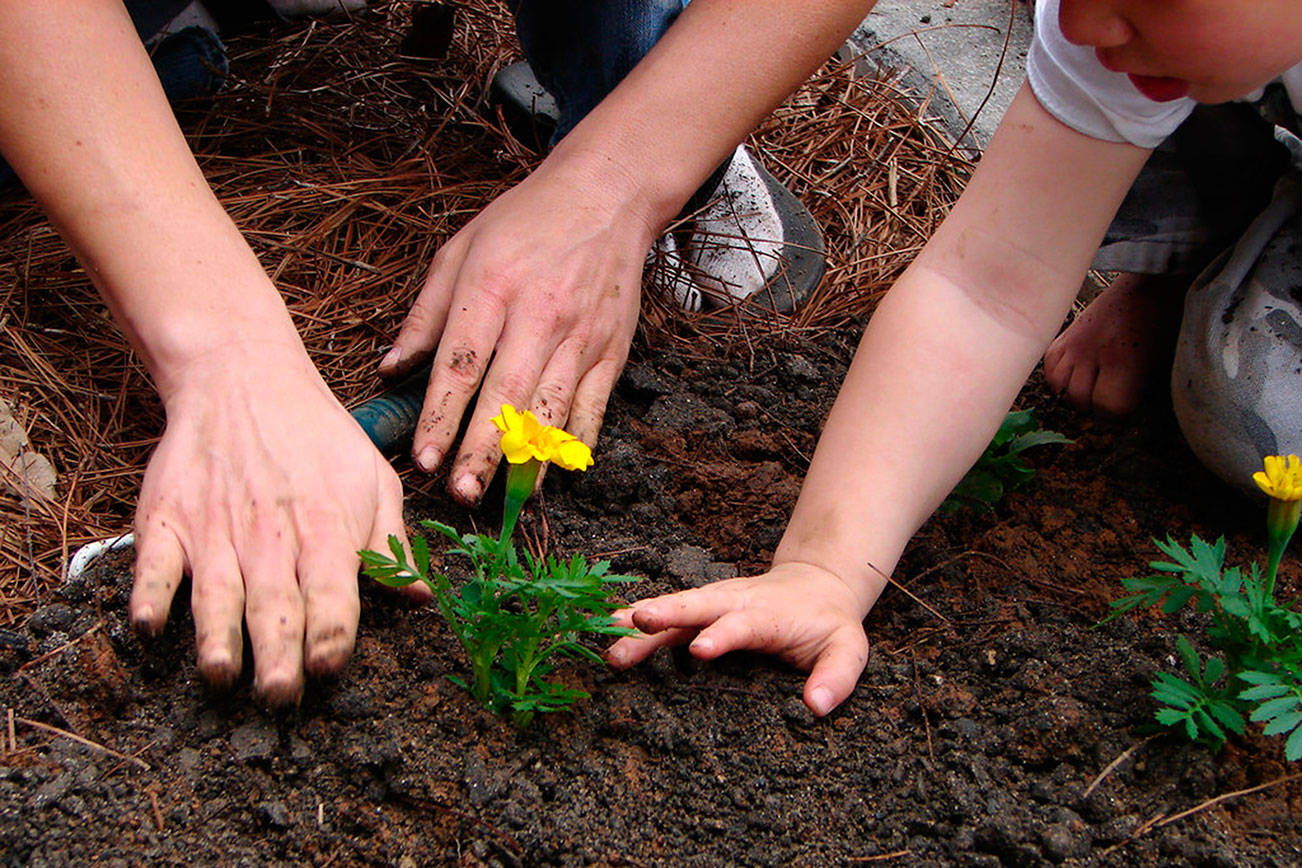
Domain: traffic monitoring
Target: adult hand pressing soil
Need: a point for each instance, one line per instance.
(262, 488)
(537, 297)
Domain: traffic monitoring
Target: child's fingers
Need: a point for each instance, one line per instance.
(696, 608)
(735, 631)
(836, 671)
(632, 650)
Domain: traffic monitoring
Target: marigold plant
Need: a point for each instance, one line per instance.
(515, 615)
(1257, 675)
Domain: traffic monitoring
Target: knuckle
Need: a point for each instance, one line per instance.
(552, 400)
(514, 386)
(462, 367)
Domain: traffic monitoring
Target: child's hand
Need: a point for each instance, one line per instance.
(798, 612)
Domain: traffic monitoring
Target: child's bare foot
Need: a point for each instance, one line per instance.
(1108, 356)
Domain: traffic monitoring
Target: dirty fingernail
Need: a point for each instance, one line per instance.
(703, 646)
(468, 488)
(428, 459)
(821, 700)
(392, 358)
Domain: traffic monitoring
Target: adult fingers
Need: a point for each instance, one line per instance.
(420, 329)
(160, 563)
(512, 379)
(273, 612)
(327, 580)
(588, 409)
(217, 601)
(388, 522)
(459, 365)
(836, 671)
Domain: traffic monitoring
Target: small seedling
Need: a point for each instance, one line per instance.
(1001, 468)
(514, 617)
(1258, 674)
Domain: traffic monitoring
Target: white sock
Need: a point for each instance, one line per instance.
(737, 242)
(671, 274)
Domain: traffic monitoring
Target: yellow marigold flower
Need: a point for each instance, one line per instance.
(1282, 478)
(526, 439)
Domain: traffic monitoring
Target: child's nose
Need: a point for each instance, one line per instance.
(1096, 23)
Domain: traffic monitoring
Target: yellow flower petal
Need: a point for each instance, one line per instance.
(525, 439)
(573, 455)
(1282, 477)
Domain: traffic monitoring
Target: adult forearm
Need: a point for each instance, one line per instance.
(84, 122)
(721, 67)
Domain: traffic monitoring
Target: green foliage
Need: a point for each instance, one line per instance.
(1001, 467)
(515, 617)
(1260, 644)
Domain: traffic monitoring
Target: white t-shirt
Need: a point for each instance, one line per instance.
(1074, 87)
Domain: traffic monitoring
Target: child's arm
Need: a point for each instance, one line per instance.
(546, 281)
(942, 358)
(263, 488)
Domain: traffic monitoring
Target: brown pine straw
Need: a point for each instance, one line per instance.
(346, 166)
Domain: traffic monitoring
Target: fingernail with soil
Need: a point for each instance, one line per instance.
(821, 700)
(428, 459)
(703, 646)
(392, 359)
(467, 488)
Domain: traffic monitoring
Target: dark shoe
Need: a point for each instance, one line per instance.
(530, 112)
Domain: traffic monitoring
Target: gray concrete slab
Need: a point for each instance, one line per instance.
(949, 52)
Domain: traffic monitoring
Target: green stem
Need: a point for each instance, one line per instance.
(1281, 521)
(520, 479)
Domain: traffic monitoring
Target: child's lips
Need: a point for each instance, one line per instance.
(1159, 88)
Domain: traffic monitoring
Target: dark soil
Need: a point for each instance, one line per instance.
(971, 739)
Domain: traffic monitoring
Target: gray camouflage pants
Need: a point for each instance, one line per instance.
(1222, 200)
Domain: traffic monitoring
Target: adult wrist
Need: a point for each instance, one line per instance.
(620, 179)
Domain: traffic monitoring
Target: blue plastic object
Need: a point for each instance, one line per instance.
(389, 419)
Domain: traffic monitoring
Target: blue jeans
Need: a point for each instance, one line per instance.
(578, 49)
(581, 49)
(190, 63)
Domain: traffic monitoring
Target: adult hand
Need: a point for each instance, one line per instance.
(262, 489)
(803, 614)
(537, 297)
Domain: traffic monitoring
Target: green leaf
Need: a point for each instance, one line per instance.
(1254, 677)
(1226, 714)
(1169, 716)
(1284, 723)
(1177, 598)
(1207, 725)
(1274, 707)
(1293, 747)
(1189, 657)
(1262, 691)
(1215, 669)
